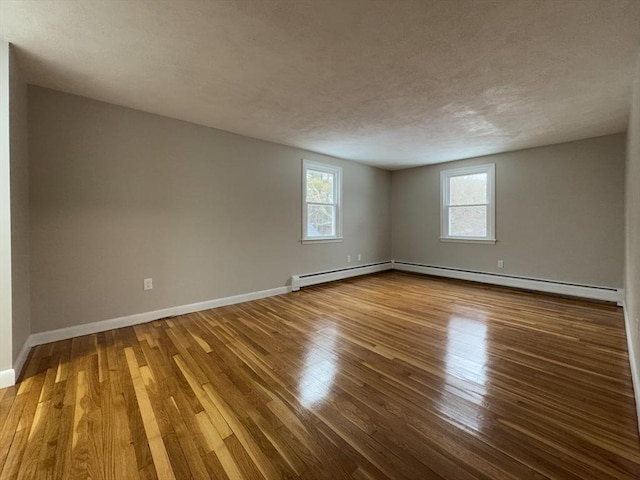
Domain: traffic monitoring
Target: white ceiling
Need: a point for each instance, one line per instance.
(392, 83)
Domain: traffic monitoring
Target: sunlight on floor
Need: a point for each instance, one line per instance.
(320, 367)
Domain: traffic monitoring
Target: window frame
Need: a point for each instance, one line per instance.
(445, 186)
(337, 200)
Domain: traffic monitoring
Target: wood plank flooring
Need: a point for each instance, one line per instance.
(392, 375)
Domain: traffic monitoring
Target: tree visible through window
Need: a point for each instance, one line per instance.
(321, 203)
(467, 203)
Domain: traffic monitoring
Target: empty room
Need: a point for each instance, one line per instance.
(320, 239)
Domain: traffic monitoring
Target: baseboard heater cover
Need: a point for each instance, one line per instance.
(308, 279)
(608, 294)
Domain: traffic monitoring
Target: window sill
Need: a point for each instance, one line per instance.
(309, 241)
(468, 240)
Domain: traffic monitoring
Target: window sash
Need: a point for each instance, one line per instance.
(335, 205)
(333, 185)
(451, 224)
(446, 177)
(468, 205)
(327, 204)
(332, 220)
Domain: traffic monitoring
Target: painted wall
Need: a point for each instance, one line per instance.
(21, 327)
(632, 250)
(6, 347)
(559, 214)
(118, 195)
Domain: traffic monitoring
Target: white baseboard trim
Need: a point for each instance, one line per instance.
(548, 286)
(307, 279)
(7, 378)
(22, 356)
(635, 368)
(127, 321)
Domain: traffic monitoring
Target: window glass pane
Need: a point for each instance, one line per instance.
(320, 186)
(321, 221)
(468, 189)
(468, 221)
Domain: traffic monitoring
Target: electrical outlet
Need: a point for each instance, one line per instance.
(349, 258)
(148, 283)
(359, 256)
(500, 263)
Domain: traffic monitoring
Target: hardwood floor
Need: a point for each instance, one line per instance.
(386, 376)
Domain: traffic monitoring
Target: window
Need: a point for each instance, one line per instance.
(321, 211)
(468, 207)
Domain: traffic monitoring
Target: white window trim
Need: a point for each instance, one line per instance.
(337, 171)
(445, 175)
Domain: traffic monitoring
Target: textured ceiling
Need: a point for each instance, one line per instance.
(392, 83)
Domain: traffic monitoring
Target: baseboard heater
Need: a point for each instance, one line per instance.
(608, 294)
(307, 279)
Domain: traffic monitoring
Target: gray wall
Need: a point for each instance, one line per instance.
(559, 214)
(632, 251)
(19, 208)
(118, 195)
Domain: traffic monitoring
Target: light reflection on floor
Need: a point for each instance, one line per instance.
(466, 367)
(319, 367)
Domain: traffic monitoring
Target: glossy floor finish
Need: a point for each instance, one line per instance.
(386, 376)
